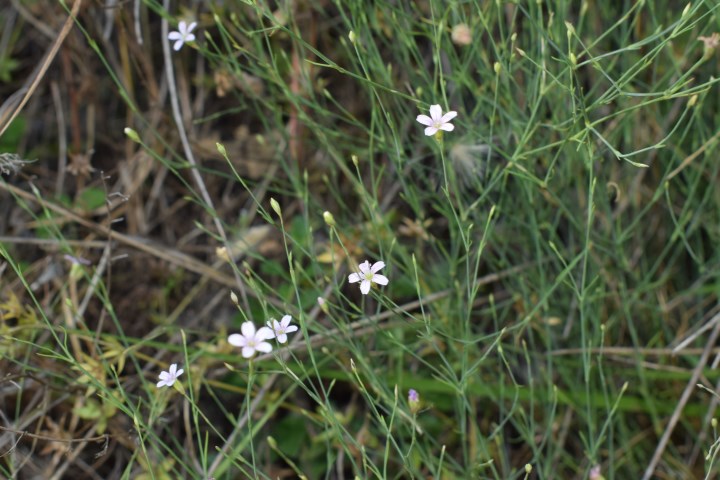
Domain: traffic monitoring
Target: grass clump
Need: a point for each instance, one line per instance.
(251, 206)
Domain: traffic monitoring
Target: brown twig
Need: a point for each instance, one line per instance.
(25, 433)
(675, 418)
(14, 105)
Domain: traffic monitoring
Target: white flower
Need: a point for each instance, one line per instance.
(169, 377)
(282, 328)
(368, 275)
(437, 121)
(183, 36)
(251, 340)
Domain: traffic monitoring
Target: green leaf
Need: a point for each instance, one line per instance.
(91, 198)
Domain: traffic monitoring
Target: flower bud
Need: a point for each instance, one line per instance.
(275, 206)
(414, 400)
(461, 35)
(132, 134)
(329, 219)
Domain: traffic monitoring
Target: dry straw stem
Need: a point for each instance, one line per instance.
(188, 151)
(689, 388)
(163, 252)
(13, 105)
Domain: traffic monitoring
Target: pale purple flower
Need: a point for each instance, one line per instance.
(437, 121)
(168, 378)
(368, 275)
(252, 341)
(413, 396)
(282, 328)
(183, 35)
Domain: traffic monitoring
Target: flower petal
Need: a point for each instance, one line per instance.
(380, 279)
(448, 116)
(282, 338)
(248, 329)
(285, 321)
(248, 352)
(191, 27)
(179, 372)
(178, 45)
(436, 113)
(182, 26)
(353, 277)
(174, 36)
(190, 37)
(272, 327)
(448, 127)
(291, 329)
(430, 131)
(264, 333)
(377, 266)
(161, 383)
(364, 267)
(264, 347)
(172, 369)
(365, 287)
(237, 340)
(164, 375)
(424, 119)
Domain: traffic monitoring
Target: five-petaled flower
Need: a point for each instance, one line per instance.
(183, 35)
(368, 275)
(168, 378)
(437, 121)
(252, 341)
(282, 328)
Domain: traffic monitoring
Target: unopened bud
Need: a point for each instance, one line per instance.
(275, 206)
(132, 134)
(686, 9)
(414, 400)
(461, 34)
(323, 304)
(329, 219)
(570, 29)
(222, 253)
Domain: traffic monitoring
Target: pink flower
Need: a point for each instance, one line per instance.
(282, 328)
(368, 275)
(437, 121)
(182, 36)
(252, 341)
(168, 378)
